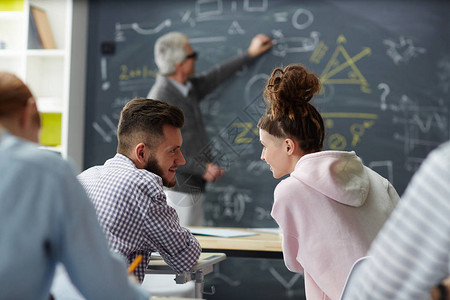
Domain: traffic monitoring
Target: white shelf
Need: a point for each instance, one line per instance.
(58, 86)
(45, 71)
(11, 15)
(46, 52)
(12, 29)
(11, 53)
(13, 62)
(50, 105)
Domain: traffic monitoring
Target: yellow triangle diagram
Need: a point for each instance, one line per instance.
(341, 68)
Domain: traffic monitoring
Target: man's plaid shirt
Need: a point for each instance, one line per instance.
(132, 209)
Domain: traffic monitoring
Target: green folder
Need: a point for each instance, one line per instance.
(11, 5)
(51, 129)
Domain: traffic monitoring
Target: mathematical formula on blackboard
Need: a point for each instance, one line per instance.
(385, 89)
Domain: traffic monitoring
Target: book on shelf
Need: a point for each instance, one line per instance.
(34, 41)
(40, 33)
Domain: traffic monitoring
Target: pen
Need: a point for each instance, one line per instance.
(134, 264)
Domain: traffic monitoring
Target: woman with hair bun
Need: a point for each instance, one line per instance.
(331, 206)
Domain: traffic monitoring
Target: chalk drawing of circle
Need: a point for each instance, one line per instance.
(326, 94)
(337, 141)
(299, 14)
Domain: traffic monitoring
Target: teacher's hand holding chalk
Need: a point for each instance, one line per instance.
(259, 44)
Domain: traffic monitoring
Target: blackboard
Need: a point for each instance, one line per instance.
(385, 68)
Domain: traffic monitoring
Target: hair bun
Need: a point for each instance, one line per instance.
(290, 89)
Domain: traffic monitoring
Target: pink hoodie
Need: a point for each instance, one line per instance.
(329, 210)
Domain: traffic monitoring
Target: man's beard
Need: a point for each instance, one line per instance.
(153, 166)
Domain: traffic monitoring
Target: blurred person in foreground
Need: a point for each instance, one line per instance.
(411, 254)
(46, 217)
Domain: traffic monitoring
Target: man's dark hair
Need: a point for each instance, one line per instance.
(142, 120)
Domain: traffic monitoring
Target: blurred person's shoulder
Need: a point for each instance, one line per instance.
(19, 152)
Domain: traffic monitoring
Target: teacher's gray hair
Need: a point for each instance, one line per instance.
(170, 50)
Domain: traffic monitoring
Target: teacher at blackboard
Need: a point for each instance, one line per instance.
(177, 84)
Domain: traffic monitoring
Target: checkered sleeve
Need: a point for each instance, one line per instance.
(139, 272)
(177, 246)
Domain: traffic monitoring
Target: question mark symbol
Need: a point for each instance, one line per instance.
(386, 90)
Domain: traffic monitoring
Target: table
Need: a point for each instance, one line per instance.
(203, 266)
(261, 245)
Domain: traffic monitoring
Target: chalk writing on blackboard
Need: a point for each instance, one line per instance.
(106, 129)
(444, 74)
(139, 28)
(286, 280)
(418, 121)
(343, 64)
(366, 79)
(231, 202)
(403, 50)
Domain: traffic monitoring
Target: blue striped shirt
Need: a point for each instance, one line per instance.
(412, 252)
(45, 219)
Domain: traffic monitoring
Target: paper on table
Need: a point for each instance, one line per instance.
(267, 230)
(221, 232)
(155, 255)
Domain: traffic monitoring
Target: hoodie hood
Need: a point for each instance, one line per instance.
(339, 175)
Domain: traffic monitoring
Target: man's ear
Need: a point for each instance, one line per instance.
(30, 121)
(289, 146)
(141, 153)
(26, 116)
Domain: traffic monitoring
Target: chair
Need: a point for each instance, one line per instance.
(204, 266)
(164, 285)
(158, 285)
(357, 264)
